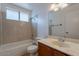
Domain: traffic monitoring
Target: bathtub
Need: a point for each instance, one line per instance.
(15, 48)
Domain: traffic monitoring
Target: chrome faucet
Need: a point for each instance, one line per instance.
(62, 39)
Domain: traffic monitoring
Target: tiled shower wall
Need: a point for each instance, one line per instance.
(16, 31)
(13, 31)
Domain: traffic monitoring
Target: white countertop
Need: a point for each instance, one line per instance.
(71, 48)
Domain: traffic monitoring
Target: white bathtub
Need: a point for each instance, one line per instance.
(15, 48)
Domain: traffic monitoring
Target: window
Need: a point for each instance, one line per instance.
(12, 15)
(24, 17)
(18, 15)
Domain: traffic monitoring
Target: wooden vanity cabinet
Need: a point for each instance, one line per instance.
(44, 50)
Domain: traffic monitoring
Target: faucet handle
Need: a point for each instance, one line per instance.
(67, 32)
(60, 24)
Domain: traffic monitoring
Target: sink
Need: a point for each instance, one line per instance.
(60, 44)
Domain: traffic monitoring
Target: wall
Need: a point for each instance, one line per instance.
(15, 30)
(0, 25)
(72, 21)
(69, 18)
(40, 9)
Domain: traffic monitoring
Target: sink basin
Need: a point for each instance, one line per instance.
(60, 44)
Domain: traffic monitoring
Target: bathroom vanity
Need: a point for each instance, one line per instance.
(44, 50)
(51, 47)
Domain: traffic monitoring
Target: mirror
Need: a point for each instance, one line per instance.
(65, 22)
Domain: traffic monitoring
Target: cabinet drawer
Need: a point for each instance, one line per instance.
(58, 53)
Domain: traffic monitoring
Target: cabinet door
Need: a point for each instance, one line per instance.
(44, 50)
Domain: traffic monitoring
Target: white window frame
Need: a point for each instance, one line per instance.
(8, 8)
(27, 20)
(19, 11)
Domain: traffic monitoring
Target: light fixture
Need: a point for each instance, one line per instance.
(63, 5)
(57, 6)
(54, 7)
